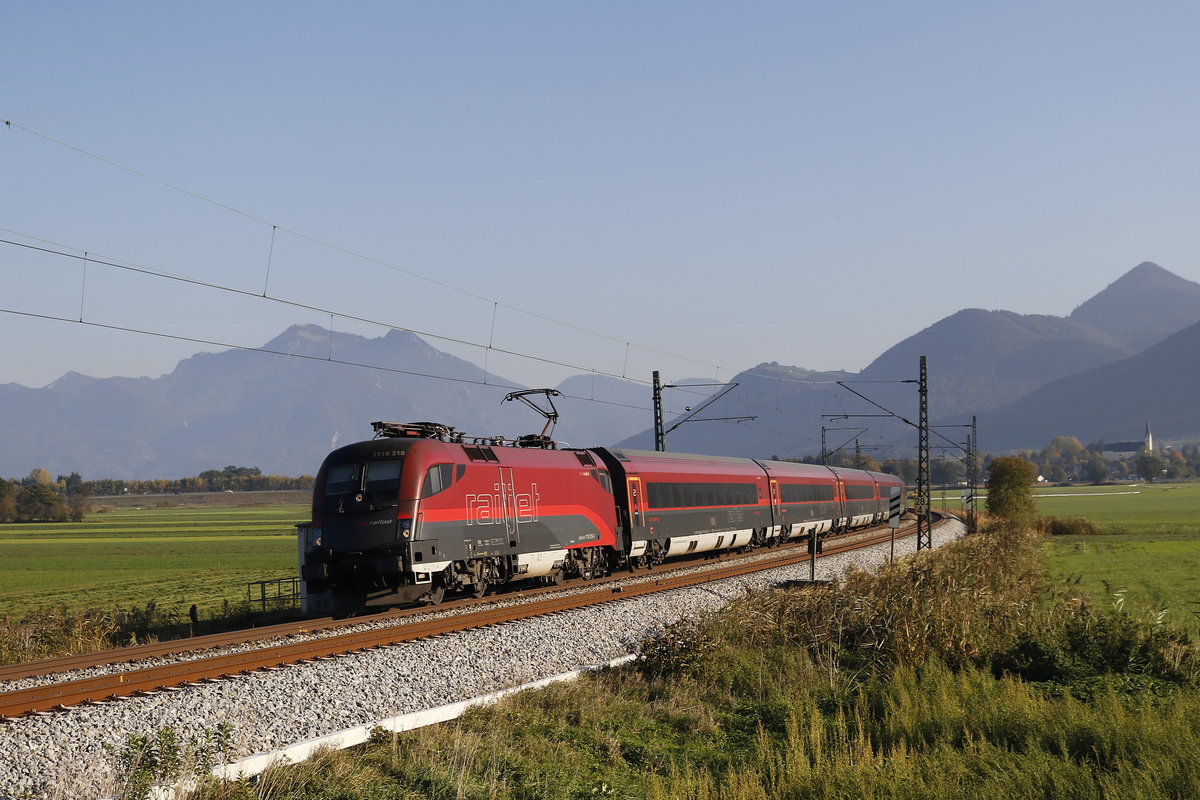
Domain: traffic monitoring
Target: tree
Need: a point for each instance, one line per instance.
(39, 475)
(39, 501)
(944, 471)
(73, 484)
(1056, 474)
(1178, 466)
(1008, 487)
(1095, 469)
(1150, 465)
(8, 501)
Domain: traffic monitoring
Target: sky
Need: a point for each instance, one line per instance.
(547, 188)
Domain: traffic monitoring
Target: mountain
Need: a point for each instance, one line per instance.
(1143, 306)
(283, 407)
(978, 361)
(281, 413)
(982, 359)
(1111, 403)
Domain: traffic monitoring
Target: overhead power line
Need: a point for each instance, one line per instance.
(381, 263)
(344, 250)
(92, 258)
(88, 258)
(327, 359)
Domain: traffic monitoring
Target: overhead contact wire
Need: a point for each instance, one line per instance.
(335, 247)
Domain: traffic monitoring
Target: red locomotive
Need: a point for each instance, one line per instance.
(421, 510)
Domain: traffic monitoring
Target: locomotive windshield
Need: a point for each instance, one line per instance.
(377, 481)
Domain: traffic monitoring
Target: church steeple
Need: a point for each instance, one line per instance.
(1149, 438)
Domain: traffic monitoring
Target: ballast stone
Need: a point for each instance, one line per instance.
(68, 754)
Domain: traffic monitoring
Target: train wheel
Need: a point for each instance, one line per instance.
(485, 575)
(434, 596)
(595, 564)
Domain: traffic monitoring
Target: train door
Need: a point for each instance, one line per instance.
(636, 503)
(776, 509)
(843, 521)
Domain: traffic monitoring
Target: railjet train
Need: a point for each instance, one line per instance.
(421, 511)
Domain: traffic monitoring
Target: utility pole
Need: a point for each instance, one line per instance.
(922, 500)
(924, 515)
(972, 477)
(826, 453)
(660, 438)
(660, 435)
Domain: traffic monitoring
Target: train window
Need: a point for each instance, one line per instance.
(462, 470)
(806, 493)
(604, 479)
(437, 479)
(860, 492)
(683, 495)
(342, 478)
(383, 476)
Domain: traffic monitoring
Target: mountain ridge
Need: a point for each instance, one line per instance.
(282, 406)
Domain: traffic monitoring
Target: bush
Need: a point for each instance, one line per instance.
(1073, 526)
(1009, 497)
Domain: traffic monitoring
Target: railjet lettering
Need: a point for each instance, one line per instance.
(504, 504)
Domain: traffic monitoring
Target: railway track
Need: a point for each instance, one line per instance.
(169, 677)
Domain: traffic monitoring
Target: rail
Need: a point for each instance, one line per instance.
(68, 694)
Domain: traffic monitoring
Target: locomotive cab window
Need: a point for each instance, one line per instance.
(382, 476)
(437, 479)
(376, 483)
(372, 477)
(342, 478)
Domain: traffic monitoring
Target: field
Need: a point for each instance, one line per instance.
(1145, 556)
(129, 556)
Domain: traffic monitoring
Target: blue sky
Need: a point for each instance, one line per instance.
(688, 186)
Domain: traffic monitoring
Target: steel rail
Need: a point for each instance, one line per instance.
(67, 694)
(212, 641)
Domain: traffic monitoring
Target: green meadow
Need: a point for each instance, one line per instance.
(128, 557)
(1145, 554)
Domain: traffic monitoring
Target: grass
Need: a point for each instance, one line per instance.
(1144, 509)
(1145, 554)
(968, 672)
(130, 557)
(960, 673)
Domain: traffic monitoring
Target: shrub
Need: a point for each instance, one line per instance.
(1073, 526)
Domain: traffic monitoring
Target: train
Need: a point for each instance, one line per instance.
(421, 511)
